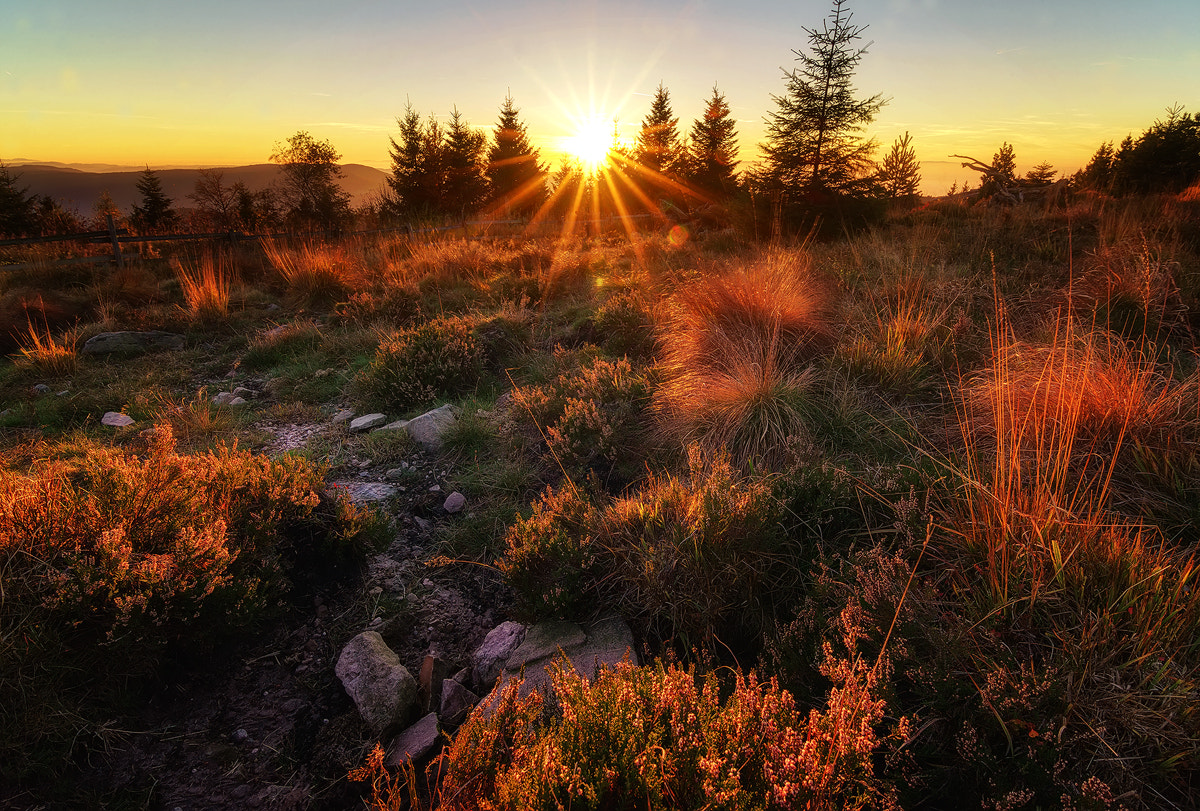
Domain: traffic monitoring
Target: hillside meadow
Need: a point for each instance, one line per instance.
(900, 517)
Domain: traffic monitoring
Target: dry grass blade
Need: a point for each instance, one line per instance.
(205, 286)
(49, 355)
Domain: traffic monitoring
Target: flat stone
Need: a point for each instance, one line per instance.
(489, 658)
(454, 502)
(242, 391)
(414, 743)
(110, 343)
(41, 388)
(543, 640)
(366, 422)
(342, 416)
(367, 492)
(382, 689)
(396, 473)
(228, 398)
(116, 419)
(434, 670)
(429, 428)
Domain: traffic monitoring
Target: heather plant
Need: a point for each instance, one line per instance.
(413, 367)
(690, 559)
(127, 560)
(590, 418)
(664, 737)
(625, 324)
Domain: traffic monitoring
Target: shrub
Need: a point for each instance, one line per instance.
(689, 559)
(435, 359)
(286, 340)
(627, 327)
(661, 737)
(113, 561)
(591, 419)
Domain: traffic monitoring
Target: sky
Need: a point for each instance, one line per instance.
(163, 83)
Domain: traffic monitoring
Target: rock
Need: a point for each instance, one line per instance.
(398, 425)
(606, 642)
(454, 502)
(456, 702)
(131, 343)
(382, 689)
(227, 398)
(242, 391)
(63, 393)
(366, 422)
(239, 735)
(366, 492)
(429, 428)
(396, 473)
(489, 659)
(434, 671)
(41, 388)
(116, 419)
(414, 743)
(342, 416)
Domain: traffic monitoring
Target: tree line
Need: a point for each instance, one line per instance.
(816, 160)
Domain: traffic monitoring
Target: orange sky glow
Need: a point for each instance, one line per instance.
(169, 83)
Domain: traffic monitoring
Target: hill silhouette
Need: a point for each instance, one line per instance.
(79, 189)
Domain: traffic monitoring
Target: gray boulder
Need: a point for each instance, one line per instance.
(456, 702)
(414, 743)
(383, 690)
(454, 502)
(366, 422)
(584, 651)
(115, 419)
(131, 343)
(489, 659)
(429, 428)
(368, 492)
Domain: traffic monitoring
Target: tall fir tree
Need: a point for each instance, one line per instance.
(712, 149)
(814, 143)
(432, 174)
(516, 179)
(155, 212)
(17, 217)
(658, 147)
(406, 194)
(466, 167)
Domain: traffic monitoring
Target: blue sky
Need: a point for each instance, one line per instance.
(219, 83)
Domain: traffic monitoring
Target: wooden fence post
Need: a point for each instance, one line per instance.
(116, 245)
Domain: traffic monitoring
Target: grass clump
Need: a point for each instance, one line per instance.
(205, 286)
(315, 275)
(41, 351)
(738, 355)
(438, 358)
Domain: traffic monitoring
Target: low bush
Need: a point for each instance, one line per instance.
(662, 737)
(435, 359)
(114, 563)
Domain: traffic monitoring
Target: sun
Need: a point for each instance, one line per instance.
(591, 143)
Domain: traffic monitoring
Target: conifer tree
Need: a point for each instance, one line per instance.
(405, 184)
(712, 148)
(1099, 172)
(658, 147)
(432, 173)
(155, 213)
(466, 168)
(813, 139)
(516, 179)
(900, 173)
(16, 206)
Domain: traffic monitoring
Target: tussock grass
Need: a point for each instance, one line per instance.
(317, 274)
(47, 354)
(737, 355)
(205, 286)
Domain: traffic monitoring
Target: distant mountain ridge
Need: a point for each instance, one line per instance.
(79, 188)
